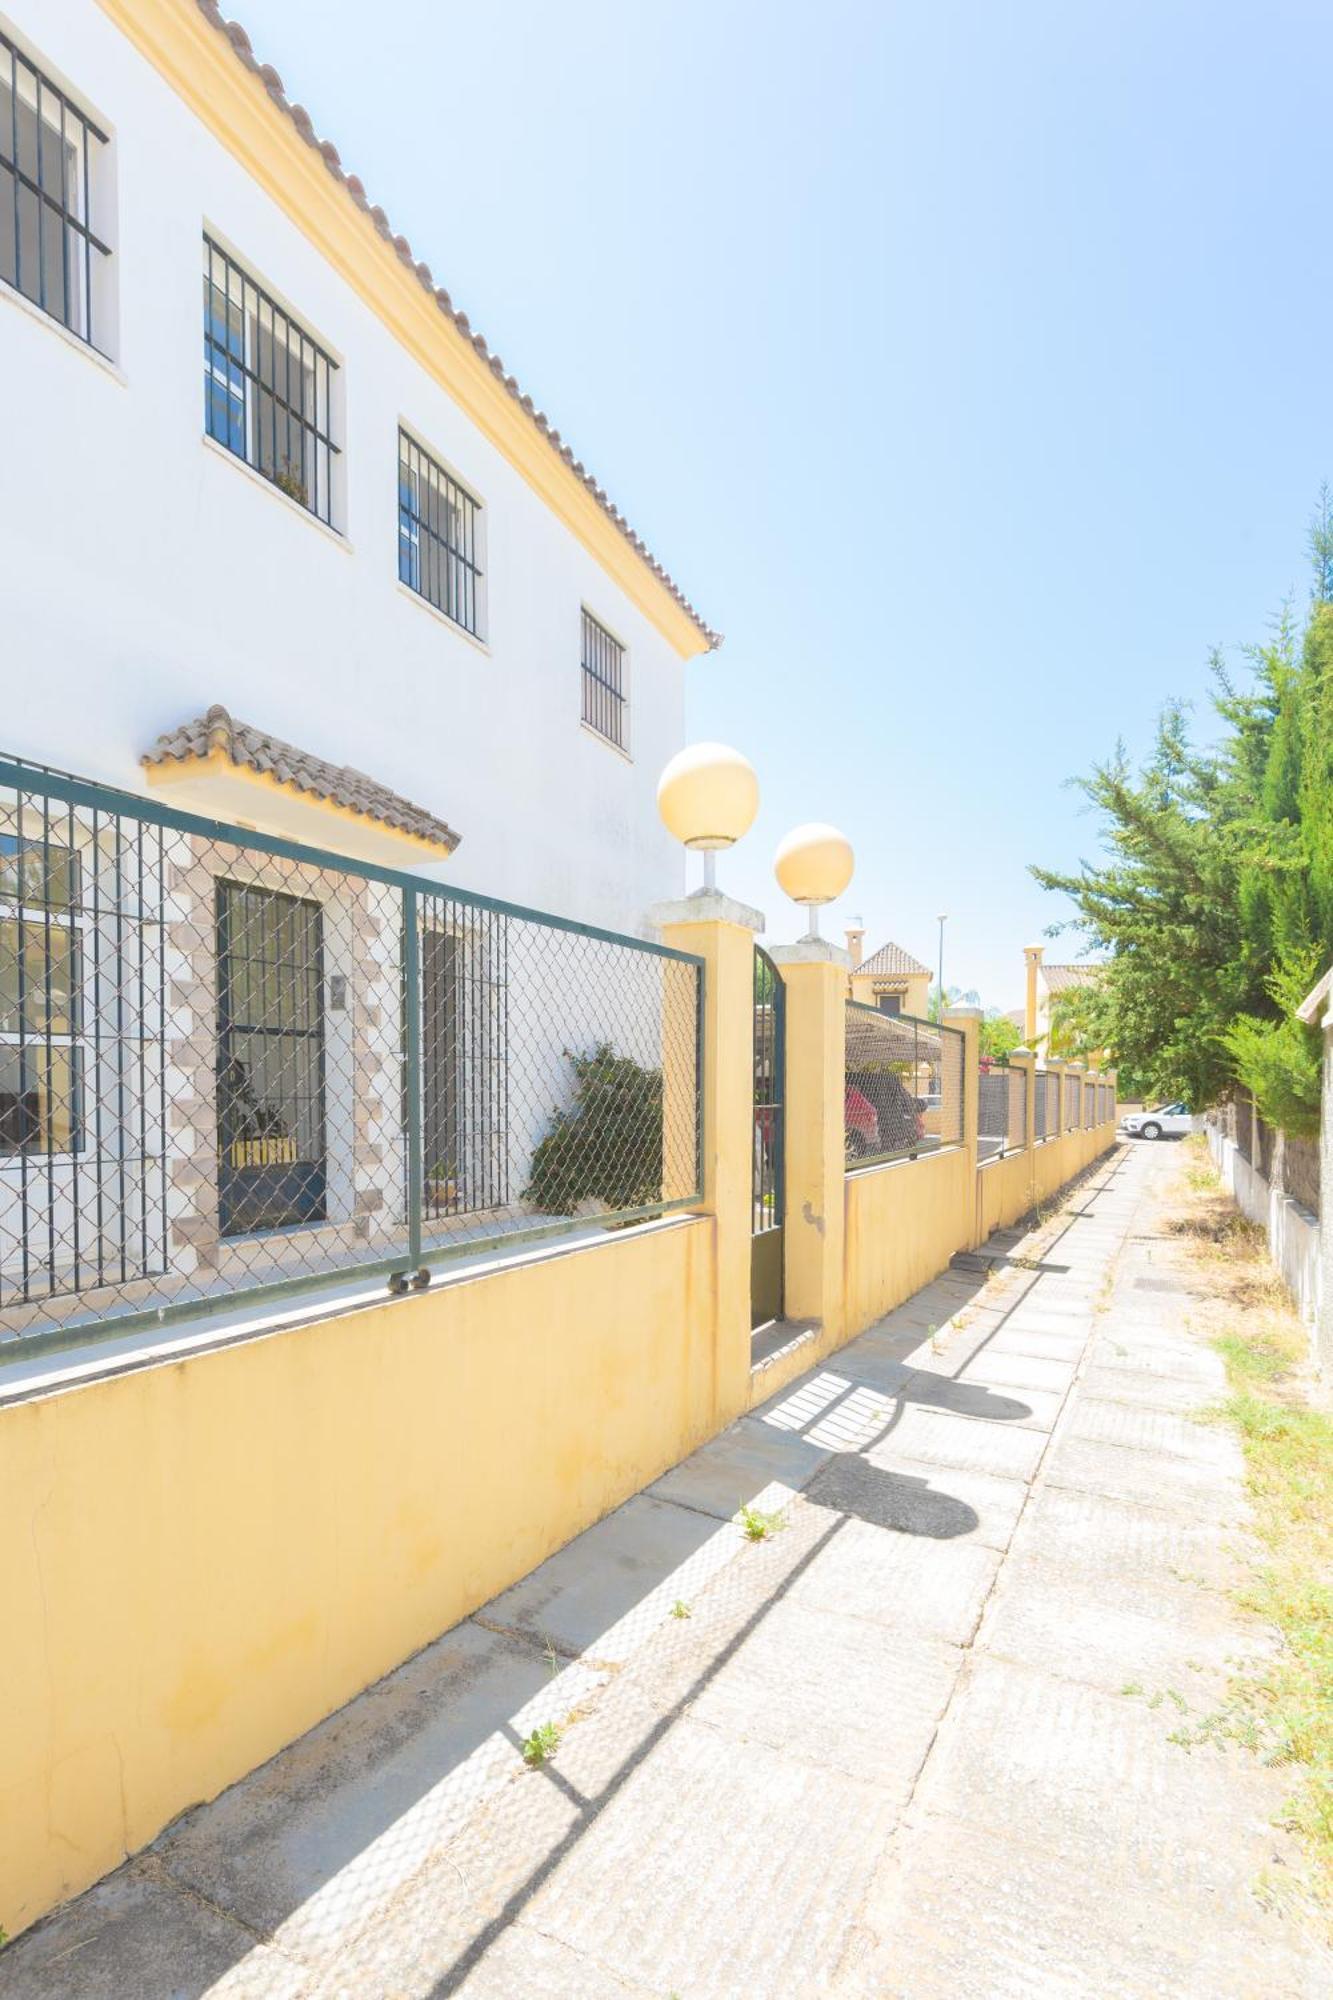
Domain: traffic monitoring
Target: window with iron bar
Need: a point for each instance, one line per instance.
(439, 552)
(268, 386)
(50, 157)
(604, 700)
(40, 1026)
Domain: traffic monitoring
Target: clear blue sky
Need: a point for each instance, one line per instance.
(967, 363)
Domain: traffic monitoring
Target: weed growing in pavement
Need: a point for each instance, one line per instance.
(756, 1526)
(541, 1745)
(680, 1609)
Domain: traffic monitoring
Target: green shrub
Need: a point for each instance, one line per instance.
(606, 1148)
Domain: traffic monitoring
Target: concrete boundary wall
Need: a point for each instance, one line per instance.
(205, 1554)
(1292, 1231)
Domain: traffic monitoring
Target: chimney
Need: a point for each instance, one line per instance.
(856, 939)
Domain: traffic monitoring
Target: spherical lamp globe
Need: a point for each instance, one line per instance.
(708, 796)
(814, 865)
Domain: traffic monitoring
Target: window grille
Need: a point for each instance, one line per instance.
(438, 553)
(604, 699)
(49, 166)
(267, 386)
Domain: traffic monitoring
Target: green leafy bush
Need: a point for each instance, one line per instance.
(606, 1148)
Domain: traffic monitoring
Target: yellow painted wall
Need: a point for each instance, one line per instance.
(1011, 1187)
(202, 1559)
(903, 1224)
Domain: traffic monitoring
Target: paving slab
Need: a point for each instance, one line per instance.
(752, 1464)
(1003, 1370)
(718, 1872)
(1159, 1479)
(1155, 1431)
(935, 1437)
(1146, 1389)
(908, 1583)
(1114, 1629)
(892, 1688)
(1094, 1532)
(137, 1936)
(971, 1916)
(1074, 1771)
(312, 1846)
(943, 1503)
(607, 1591)
(973, 1396)
(1043, 1344)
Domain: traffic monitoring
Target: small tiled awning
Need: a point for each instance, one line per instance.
(233, 771)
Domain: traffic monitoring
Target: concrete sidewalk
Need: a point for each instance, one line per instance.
(886, 1751)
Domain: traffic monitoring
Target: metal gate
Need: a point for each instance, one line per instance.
(767, 1196)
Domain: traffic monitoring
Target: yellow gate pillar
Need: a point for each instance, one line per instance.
(968, 1021)
(814, 974)
(722, 933)
(1025, 1061)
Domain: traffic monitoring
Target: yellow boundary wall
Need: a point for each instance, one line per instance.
(205, 1555)
(203, 1558)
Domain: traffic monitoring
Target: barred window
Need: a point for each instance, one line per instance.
(438, 537)
(268, 386)
(50, 159)
(604, 698)
(39, 996)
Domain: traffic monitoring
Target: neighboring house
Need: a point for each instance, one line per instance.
(1045, 984)
(255, 458)
(286, 547)
(890, 979)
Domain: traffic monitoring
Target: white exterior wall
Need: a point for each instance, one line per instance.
(149, 574)
(1292, 1232)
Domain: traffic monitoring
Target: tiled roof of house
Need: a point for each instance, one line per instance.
(339, 784)
(892, 958)
(300, 117)
(1060, 978)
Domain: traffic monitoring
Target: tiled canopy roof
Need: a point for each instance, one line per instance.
(300, 117)
(1060, 978)
(339, 784)
(892, 958)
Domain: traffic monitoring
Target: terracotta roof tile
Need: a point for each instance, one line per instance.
(300, 117)
(892, 958)
(338, 783)
(1060, 978)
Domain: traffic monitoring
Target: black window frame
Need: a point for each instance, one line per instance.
(605, 694)
(439, 537)
(252, 348)
(50, 213)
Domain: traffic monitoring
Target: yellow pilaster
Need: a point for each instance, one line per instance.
(1032, 956)
(968, 1021)
(815, 977)
(1024, 1061)
(722, 933)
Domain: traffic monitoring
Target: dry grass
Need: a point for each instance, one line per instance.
(1283, 1709)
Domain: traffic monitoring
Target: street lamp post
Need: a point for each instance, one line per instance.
(943, 919)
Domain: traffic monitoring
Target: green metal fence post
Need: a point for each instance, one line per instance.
(412, 1025)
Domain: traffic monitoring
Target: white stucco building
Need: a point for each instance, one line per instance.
(246, 445)
(286, 547)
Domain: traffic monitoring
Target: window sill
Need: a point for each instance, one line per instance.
(14, 297)
(442, 618)
(605, 741)
(217, 450)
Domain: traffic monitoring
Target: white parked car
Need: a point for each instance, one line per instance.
(1168, 1121)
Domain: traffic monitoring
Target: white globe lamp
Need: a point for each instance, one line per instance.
(708, 796)
(814, 865)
